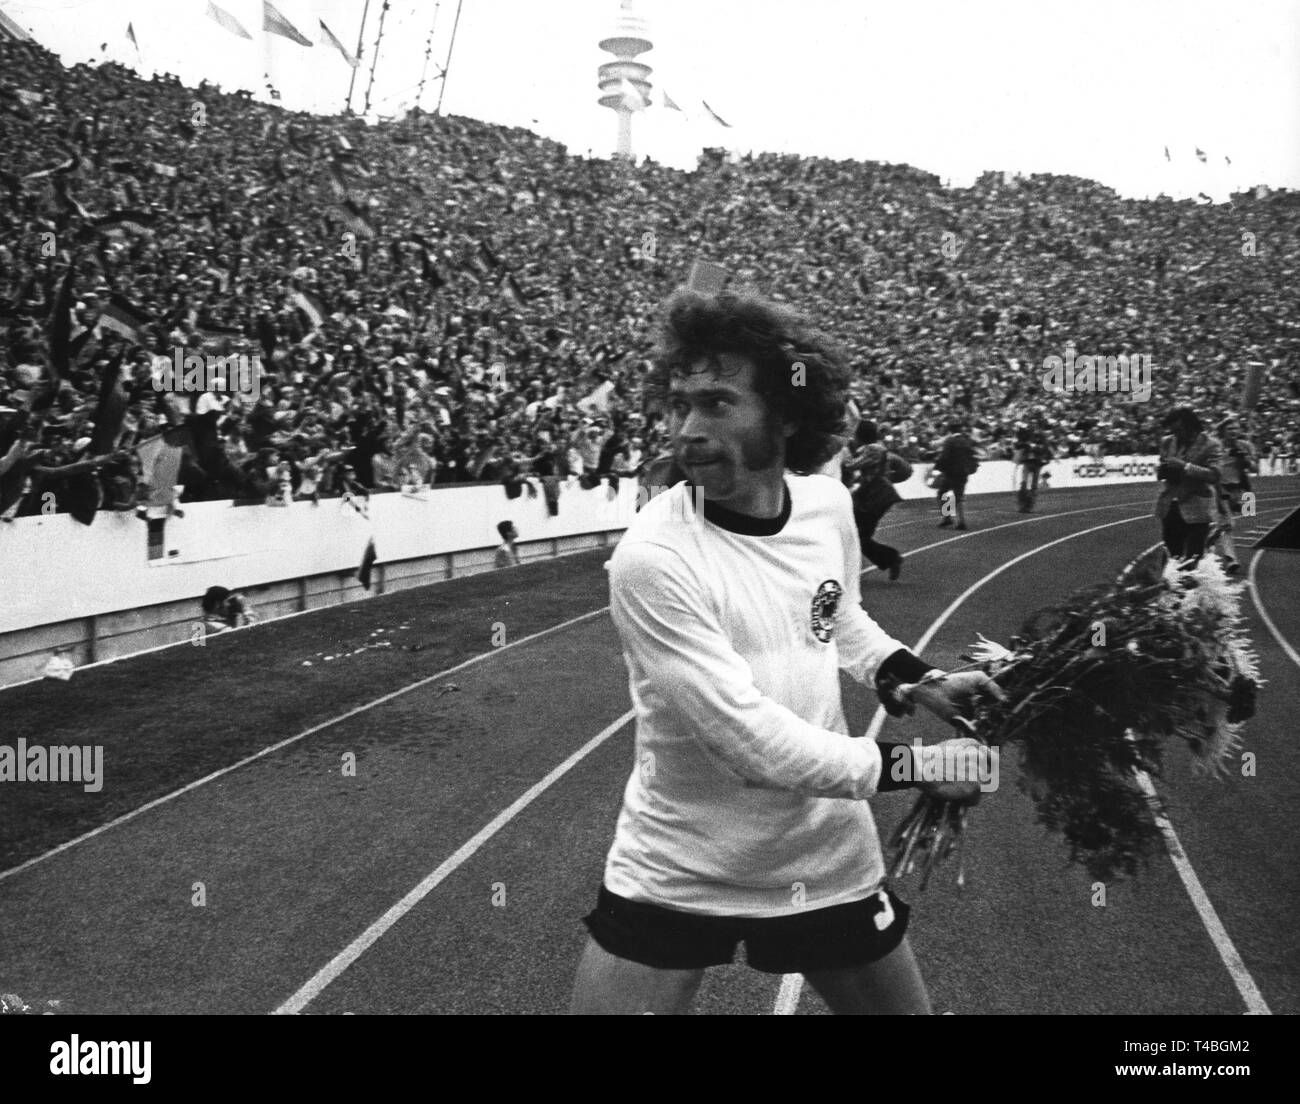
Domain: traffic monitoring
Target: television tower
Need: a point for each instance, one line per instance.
(619, 79)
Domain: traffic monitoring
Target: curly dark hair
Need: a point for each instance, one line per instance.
(1183, 416)
(214, 598)
(696, 328)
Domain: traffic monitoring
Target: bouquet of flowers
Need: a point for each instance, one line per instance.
(1097, 687)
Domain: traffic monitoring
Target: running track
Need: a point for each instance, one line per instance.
(449, 875)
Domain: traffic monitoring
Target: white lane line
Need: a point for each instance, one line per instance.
(1263, 613)
(291, 740)
(354, 950)
(415, 686)
(787, 998)
(1241, 978)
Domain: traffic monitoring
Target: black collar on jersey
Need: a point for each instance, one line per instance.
(744, 524)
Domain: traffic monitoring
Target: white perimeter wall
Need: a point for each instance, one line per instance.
(1083, 471)
(94, 593)
(53, 568)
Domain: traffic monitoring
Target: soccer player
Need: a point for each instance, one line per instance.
(736, 598)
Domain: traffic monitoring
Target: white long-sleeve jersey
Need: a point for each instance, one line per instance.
(745, 795)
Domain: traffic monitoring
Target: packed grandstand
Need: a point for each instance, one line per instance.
(437, 299)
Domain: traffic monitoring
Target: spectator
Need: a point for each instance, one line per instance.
(506, 556)
(955, 464)
(412, 336)
(226, 609)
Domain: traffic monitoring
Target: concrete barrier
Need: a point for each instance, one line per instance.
(107, 591)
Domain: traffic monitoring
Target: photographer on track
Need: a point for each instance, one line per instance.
(1189, 475)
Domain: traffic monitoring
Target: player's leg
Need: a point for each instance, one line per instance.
(889, 986)
(945, 515)
(611, 986)
(1172, 531)
(1195, 536)
(881, 555)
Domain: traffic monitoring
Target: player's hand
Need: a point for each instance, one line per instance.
(958, 762)
(948, 696)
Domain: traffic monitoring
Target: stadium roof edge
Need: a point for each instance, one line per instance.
(10, 30)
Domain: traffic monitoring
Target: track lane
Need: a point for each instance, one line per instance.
(530, 918)
(363, 890)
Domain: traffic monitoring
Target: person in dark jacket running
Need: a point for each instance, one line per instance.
(956, 463)
(1031, 453)
(877, 471)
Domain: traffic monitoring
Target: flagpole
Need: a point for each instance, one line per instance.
(267, 62)
(347, 107)
(379, 38)
(447, 64)
(428, 49)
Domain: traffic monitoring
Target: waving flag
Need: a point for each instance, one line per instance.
(61, 328)
(367, 564)
(598, 400)
(327, 38)
(61, 169)
(141, 222)
(310, 307)
(274, 22)
(513, 293)
(66, 203)
(121, 317)
(668, 103)
(228, 21)
(111, 411)
(160, 464)
(354, 216)
(130, 33)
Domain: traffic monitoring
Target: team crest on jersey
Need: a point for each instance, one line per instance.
(824, 604)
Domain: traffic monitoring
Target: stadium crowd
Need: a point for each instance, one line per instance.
(438, 299)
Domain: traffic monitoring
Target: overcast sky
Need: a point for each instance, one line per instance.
(1094, 88)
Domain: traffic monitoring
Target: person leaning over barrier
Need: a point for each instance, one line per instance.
(226, 609)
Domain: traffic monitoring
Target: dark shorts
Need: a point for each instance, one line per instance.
(948, 483)
(819, 939)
